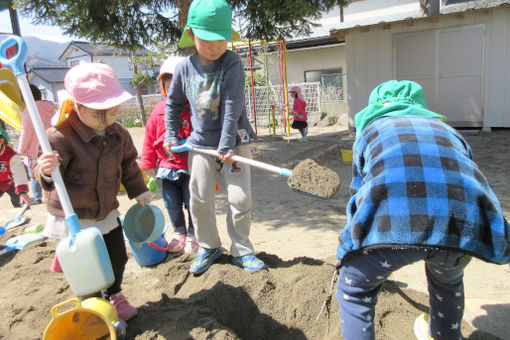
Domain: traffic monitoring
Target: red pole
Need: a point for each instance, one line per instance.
(283, 89)
(252, 88)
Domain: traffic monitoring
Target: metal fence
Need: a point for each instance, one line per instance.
(329, 90)
(311, 93)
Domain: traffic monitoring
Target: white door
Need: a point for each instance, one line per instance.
(448, 64)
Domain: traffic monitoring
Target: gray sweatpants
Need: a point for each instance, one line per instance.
(205, 170)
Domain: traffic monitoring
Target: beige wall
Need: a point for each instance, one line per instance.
(312, 59)
(307, 59)
(369, 56)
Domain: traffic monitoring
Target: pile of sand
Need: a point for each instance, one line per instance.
(309, 177)
(294, 234)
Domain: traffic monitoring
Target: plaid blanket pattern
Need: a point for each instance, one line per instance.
(415, 184)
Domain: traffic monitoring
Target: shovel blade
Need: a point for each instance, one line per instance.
(17, 221)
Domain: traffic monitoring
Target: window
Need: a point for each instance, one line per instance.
(316, 76)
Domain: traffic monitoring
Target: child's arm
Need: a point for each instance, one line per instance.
(19, 175)
(149, 158)
(232, 98)
(132, 177)
(27, 133)
(173, 108)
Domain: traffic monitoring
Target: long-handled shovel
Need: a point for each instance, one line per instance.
(307, 178)
(82, 255)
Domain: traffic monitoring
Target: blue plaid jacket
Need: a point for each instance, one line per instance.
(415, 184)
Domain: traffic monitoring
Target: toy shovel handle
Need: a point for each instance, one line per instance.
(240, 159)
(16, 64)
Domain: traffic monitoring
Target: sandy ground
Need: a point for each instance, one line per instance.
(294, 234)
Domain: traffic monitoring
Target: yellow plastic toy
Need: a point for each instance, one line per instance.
(93, 318)
(11, 105)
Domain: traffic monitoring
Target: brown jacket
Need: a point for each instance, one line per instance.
(92, 168)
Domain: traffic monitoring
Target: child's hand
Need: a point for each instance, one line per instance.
(168, 147)
(226, 157)
(24, 198)
(48, 162)
(149, 172)
(145, 196)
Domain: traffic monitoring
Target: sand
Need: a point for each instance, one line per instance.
(309, 177)
(294, 234)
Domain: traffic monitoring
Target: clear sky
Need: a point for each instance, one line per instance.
(27, 28)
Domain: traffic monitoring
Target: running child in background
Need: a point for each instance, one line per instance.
(28, 143)
(416, 194)
(173, 167)
(213, 81)
(95, 154)
(13, 175)
(299, 113)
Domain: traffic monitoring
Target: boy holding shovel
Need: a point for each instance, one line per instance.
(213, 82)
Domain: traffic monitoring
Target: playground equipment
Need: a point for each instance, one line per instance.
(274, 59)
(11, 104)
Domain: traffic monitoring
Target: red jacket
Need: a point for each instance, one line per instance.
(153, 153)
(12, 170)
(299, 107)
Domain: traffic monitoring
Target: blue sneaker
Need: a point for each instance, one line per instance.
(204, 259)
(249, 263)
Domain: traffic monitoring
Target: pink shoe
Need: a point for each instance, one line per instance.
(191, 244)
(177, 243)
(121, 304)
(55, 265)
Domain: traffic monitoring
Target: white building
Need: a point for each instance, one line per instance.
(117, 58)
(461, 56)
(49, 79)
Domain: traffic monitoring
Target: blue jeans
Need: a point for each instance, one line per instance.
(175, 196)
(363, 275)
(36, 187)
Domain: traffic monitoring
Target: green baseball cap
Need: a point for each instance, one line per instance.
(5, 135)
(394, 98)
(211, 20)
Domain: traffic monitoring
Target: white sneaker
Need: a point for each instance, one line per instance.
(421, 327)
(303, 139)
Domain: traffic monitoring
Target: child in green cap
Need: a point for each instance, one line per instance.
(213, 81)
(416, 194)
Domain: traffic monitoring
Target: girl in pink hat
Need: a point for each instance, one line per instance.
(95, 155)
(299, 112)
(173, 168)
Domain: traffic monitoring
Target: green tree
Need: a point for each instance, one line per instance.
(258, 78)
(132, 24)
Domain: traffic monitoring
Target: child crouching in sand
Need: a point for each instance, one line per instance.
(416, 194)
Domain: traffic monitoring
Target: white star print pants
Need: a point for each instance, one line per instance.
(364, 273)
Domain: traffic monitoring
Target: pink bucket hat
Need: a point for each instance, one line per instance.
(95, 85)
(297, 89)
